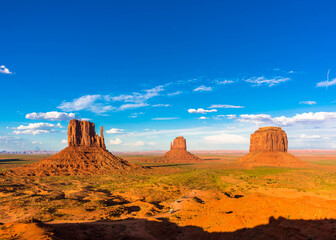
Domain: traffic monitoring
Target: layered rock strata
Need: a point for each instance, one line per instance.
(268, 147)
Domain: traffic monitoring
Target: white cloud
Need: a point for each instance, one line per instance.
(304, 136)
(225, 106)
(135, 144)
(326, 83)
(4, 70)
(132, 106)
(116, 141)
(202, 118)
(161, 105)
(202, 89)
(308, 102)
(139, 97)
(36, 142)
(270, 82)
(51, 116)
(164, 118)
(12, 142)
(36, 128)
(201, 110)
(115, 131)
(303, 118)
(87, 102)
(225, 138)
(100, 104)
(225, 82)
(174, 93)
(230, 116)
(135, 115)
(64, 141)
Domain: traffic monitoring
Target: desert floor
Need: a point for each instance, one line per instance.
(210, 200)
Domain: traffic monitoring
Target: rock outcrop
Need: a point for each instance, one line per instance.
(269, 139)
(179, 143)
(178, 152)
(83, 133)
(86, 154)
(268, 147)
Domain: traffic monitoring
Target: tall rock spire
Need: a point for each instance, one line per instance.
(83, 133)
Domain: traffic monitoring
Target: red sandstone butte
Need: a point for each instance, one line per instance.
(86, 154)
(178, 152)
(83, 133)
(268, 147)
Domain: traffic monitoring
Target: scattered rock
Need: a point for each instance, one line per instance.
(57, 196)
(196, 199)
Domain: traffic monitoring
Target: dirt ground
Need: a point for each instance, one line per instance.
(209, 200)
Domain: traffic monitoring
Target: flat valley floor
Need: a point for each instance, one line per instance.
(210, 200)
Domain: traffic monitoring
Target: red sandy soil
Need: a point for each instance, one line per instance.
(204, 215)
(260, 213)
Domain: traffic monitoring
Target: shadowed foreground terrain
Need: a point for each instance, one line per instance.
(209, 200)
(142, 229)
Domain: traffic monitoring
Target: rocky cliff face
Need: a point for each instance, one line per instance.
(179, 143)
(268, 147)
(83, 133)
(269, 139)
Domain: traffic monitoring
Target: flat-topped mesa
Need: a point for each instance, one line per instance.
(269, 139)
(268, 147)
(83, 133)
(179, 143)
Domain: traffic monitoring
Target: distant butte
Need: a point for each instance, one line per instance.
(178, 152)
(86, 154)
(268, 147)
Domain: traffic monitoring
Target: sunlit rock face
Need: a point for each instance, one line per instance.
(268, 147)
(179, 143)
(83, 133)
(269, 139)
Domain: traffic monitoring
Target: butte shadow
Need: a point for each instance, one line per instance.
(142, 229)
(268, 147)
(86, 154)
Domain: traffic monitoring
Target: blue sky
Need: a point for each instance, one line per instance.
(148, 71)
